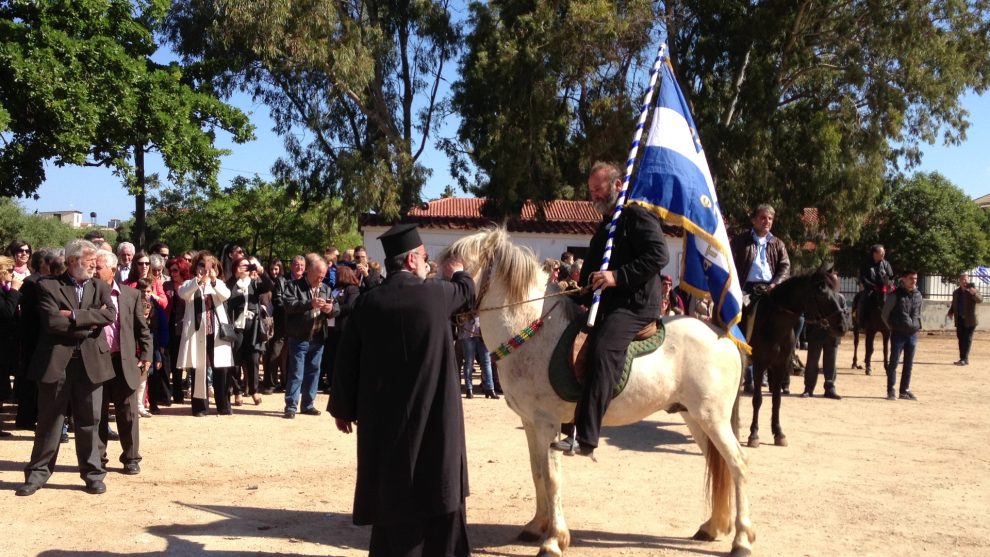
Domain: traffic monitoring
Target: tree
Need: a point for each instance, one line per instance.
(37, 231)
(78, 85)
(798, 104)
(264, 217)
(546, 88)
(360, 80)
(928, 225)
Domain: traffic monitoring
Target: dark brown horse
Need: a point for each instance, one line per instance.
(868, 319)
(816, 296)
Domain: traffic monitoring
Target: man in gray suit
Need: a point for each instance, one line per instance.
(129, 338)
(70, 364)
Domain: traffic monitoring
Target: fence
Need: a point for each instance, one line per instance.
(934, 288)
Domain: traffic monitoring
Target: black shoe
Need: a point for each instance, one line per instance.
(807, 394)
(890, 394)
(908, 395)
(27, 490)
(289, 415)
(311, 412)
(565, 445)
(132, 469)
(584, 450)
(785, 391)
(961, 363)
(201, 413)
(279, 389)
(469, 395)
(268, 390)
(64, 438)
(113, 436)
(832, 395)
(155, 411)
(491, 394)
(747, 389)
(96, 487)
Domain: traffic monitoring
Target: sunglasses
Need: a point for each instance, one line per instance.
(24, 250)
(143, 263)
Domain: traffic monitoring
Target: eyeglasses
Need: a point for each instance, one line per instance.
(143, 263)
(24, 250)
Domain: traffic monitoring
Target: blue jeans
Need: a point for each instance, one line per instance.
(474, 348)
(901, 343)
(303, 373)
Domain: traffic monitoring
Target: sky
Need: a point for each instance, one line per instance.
(98, 190)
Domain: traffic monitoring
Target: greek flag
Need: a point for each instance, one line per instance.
(984, 274)
(673, 180)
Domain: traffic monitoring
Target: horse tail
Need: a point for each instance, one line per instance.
(720, 490)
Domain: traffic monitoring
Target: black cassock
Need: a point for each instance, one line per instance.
(395, 374)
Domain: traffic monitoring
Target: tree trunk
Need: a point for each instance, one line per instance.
(139, 195)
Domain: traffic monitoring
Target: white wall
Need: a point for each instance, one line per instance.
(544, 245)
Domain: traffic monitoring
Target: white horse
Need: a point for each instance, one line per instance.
(696, 371)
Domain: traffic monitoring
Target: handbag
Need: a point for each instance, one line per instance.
(227, 332)
(266, 325)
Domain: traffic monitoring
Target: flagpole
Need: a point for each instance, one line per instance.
(630, 162)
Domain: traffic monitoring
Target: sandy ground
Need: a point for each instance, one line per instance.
(862, 476)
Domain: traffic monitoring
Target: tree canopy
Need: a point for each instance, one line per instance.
(79, 86)
(927, 225)
(798, 104)
(353, 87)
(37, 231)
(264, 217)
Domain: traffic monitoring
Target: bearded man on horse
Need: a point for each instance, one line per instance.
(631, 293)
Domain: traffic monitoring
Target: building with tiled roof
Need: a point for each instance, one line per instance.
(565, 226)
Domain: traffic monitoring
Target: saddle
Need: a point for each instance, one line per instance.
(579, 350)
(567, 376)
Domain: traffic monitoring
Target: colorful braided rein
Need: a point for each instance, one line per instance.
(515, 342)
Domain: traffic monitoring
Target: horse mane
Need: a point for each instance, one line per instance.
(799, 281)
(515, 266)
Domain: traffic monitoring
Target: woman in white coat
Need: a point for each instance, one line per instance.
(201, 346)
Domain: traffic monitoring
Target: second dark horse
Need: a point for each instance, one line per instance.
(816, 296)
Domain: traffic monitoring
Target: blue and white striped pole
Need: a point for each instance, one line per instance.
(630, 162)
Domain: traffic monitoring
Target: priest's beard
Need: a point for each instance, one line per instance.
(606, 206)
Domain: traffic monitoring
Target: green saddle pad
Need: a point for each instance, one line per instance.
(562, 376)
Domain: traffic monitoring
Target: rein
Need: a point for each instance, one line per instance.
(821, 321)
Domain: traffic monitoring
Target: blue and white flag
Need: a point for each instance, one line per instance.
(674, 181)
(983, 273)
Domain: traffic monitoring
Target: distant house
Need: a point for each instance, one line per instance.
(983, 202)
(72, 218)
(114, 224)
(568, 226)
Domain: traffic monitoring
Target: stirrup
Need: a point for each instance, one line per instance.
(565, 445)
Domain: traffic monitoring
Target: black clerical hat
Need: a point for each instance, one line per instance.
(399, 239)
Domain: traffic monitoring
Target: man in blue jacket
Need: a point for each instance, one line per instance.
(902, 314)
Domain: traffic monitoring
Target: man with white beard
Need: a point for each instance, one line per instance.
(70, 364)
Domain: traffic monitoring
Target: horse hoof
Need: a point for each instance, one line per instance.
(544, 552)
(869, 371)
(740, 552)
(753, 443)
(780, 440)
(702, 536)
(525, 536)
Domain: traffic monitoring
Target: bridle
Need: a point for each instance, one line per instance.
(485, 281)
(821, 321)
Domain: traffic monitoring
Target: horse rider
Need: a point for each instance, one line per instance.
(630, 299)
(876, 277)
(761, 264)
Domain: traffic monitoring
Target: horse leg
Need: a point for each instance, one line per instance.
(870, 336)
(725, 452)
(856, 348)
(558, 537)
(534, 529)
(776, 386)
(708, 531)
(754, 428)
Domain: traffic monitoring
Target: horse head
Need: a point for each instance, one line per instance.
(824, 305)
(491, 258)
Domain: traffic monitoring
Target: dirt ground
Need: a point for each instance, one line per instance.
(862, 476)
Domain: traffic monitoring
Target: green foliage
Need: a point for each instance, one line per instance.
(544, 91)
(264, 217)
(798, 104)
(78, 86)
(359, 80)
(928, 225)
(37, 231)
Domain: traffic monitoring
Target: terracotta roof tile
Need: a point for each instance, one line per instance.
(464, 213)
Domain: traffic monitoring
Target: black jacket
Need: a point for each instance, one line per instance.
(638, 256)
(396, 374)
(902, 311)
(875, 275)
(297, 301)
(235, 305)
